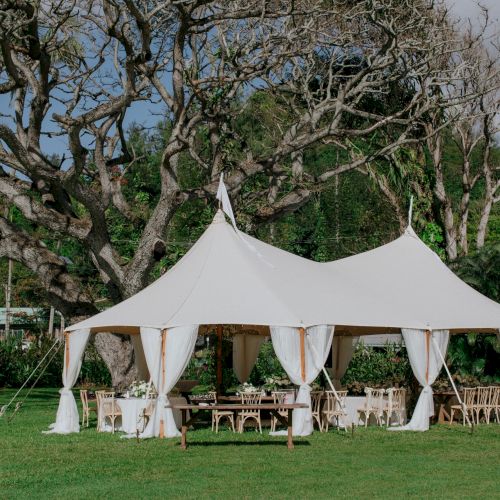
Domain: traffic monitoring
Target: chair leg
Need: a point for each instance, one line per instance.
(232, 422)
(260, 425)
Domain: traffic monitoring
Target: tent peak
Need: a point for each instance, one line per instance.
(219, 217)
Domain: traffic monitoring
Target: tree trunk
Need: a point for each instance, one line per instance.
(118, 354)
(483, 221)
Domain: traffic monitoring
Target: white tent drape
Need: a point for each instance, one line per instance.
(67, 418)
(140, 359)
(426, 365)
(342, 352)
(167, 354)
(302, 372)
(245, 352)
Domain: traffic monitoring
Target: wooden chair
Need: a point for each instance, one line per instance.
(469, 400)
(495, 403)
(98, 395)
(482, 403)
(316, 402)
(86, 408)
(335, 410)
(144, 417)
(253, 398)
(109, 409)
(396, 405)
(279, 398)
(218, 415)
(374, 405)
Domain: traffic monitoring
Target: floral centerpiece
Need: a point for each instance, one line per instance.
(276, 383)
(247, 388)
(138, 389)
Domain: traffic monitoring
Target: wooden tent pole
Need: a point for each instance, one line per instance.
(219, 359)
(427, 352)
(302, 334)
(163, 349)
(66, 349)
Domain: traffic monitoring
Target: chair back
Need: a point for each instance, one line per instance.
(332, 403)
(108, 403)
(495, 396)
(483, 396)
(396, 399)
(316, 400)
(279, 397)
(251, 398)
(375, 399)
(470, 396)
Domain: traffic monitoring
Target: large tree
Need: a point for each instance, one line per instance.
(76, 71)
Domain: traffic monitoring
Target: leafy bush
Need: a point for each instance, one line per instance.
(17, 362)
(377, 367)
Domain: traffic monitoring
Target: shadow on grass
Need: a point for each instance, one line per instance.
(193, 444)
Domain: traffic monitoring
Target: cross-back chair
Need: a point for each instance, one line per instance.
(333, 409)
(252, 398)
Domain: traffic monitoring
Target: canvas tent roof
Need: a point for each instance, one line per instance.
(228, 277)
(418, 287)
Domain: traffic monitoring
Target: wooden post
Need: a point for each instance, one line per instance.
(163, 348)
(290, 430)
(427, 353)
(66, 351)
(219, 359)
(302, 354)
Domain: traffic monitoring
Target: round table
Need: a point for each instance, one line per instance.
(132, 411)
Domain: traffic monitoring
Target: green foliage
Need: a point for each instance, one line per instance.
(377, 367)
(267, 366)
(17, 361)
(432, 236)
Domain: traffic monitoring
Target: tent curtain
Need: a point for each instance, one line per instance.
(342, 352)
(426, 365)
(67, 418)
(302, 372)
(167, 354)
(246, 349)
(140, 359)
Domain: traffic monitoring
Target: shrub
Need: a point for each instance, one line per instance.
(17, 362)
(377, 367)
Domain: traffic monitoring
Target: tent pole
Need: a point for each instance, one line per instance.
(330, 383)
(302, 354)
(163, 346)
(219, 360)
(462, 404)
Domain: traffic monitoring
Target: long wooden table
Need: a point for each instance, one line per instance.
(273, 408)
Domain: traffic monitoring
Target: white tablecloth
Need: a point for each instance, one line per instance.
(132, 411)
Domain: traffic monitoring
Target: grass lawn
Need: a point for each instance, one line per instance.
(446, 462)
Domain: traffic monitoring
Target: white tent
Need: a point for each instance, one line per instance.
(228, 277)
(423, 298)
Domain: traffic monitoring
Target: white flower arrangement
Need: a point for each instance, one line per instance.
(273, 383)
(247, 388)
(138, 389)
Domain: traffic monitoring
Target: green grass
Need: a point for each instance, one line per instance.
(446, 462)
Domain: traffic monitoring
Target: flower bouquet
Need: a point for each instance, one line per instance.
(247, 388)
(276, 383)
(138, 389)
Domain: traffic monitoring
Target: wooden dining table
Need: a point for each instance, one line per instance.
(271, 407)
